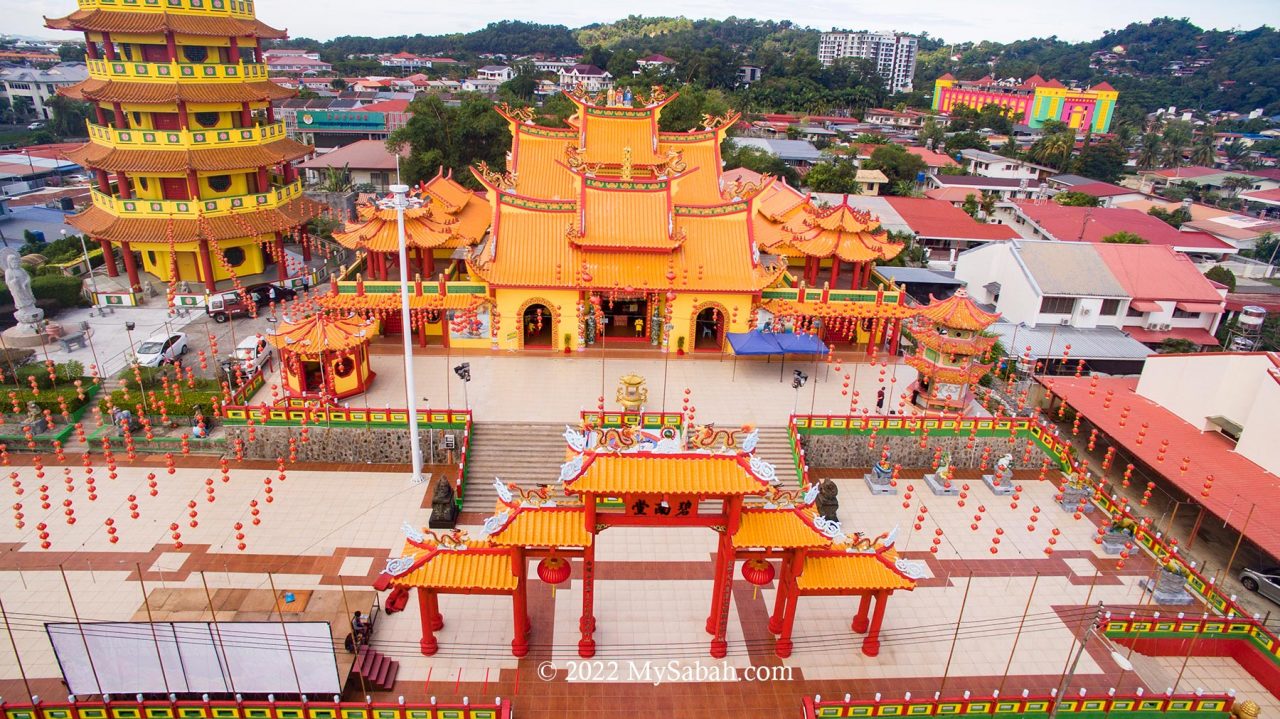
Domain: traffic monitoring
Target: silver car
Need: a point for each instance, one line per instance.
(156, 351)
(1264, 581)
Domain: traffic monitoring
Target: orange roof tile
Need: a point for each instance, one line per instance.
(958, 311)
(143, 23)
(781, 528)
(427, 226)
(873, 571)
(101, 224)
(700, 153)
(625, 216)
(538, 161)
(210, 159)
(643, 473)
(544, 527)
(789, 308)
(166, 92)
(847, 233)
(391, 301)
(473, 568)
(320, 333)
(608, 132)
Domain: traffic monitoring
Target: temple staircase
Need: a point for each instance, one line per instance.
(527, 453)
(374, 670)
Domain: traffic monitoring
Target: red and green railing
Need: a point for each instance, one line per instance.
(498, 709)
(1177, 706)
(639, 420)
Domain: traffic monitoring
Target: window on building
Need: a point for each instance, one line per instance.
(1134, 312)
(234, 255)
(220, 183)
(1057, 305)
(206, 119)
(19, 86)
(1109, 308)
(195, 53)
(1184, 315)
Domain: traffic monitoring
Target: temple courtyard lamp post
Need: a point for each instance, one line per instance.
(400, 200)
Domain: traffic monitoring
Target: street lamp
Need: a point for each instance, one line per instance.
(400, 200)
(88, 267)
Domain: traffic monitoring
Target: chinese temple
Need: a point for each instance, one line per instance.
(625, 476)
(613, 231)
(951, 352)
(325, 356)
(192, 169)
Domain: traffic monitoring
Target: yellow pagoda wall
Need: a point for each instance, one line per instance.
(189, 261)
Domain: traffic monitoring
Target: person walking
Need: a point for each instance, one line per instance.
(880, 400)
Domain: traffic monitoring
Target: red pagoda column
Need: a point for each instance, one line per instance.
(109, 258)
(520, 604)
(131, 267)
(862, 619)
(282, 265)
(724, 596)
(835, 272)
(426, 616)
(783, 646)
(780, 600)
(206, 266)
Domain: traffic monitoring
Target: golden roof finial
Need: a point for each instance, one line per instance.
(626, 163)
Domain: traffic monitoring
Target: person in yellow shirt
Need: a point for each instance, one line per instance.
(639, 327)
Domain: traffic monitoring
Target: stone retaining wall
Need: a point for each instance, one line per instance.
(830, 451)
(348, 445)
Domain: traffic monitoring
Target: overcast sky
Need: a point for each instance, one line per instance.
(953, 20)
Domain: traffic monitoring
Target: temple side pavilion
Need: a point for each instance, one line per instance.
(663, 485)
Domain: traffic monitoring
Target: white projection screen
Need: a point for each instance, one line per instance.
(196, 657)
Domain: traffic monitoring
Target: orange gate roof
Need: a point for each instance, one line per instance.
(646, 473)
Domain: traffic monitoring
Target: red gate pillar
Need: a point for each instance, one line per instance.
(780, 601)
(520, 604)
(719, 643)
(871, 645)
(783, 647)
(861, 620)
(717, 573)
(206, 266)
(587, 623)
(426, 615)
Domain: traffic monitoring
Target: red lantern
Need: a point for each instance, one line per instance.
(758, 572)
(553, 570)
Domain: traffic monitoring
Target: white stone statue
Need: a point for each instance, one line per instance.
(19, 284)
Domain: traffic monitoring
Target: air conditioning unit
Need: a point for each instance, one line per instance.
(1152, 327)
(1166, 327)
(1064, 321)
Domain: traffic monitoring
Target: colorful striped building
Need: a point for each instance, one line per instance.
(1031, 102)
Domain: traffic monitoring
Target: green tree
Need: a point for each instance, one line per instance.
(454, 138)
(1177, 345)
(521, 87)
(1010, 149)
(968, 140)
(22, 107)
(555, 110)
(1204, 153)
(1150, 151)
(1266, 249)
(1177, 138)
(338, 84)
(1222, 276)
(1236, 152)
(757, 160)
(971, 205)
(1236, 184)
(1071, 198)
(1054, 148)
(71, 52)
(1174, 218)
(1102, 161)
(931, 133)
(1124, 237)
(839, 176)
(685, 112)
(897, 164)
(69, 116)
(336, 179)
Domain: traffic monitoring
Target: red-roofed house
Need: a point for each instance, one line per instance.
(1108, 193)
(935, 160)
(1149, 291)
(1051, 221)
(943, 228)
(368, 161)
(655, 61)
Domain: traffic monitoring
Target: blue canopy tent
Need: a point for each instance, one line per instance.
(756, 342)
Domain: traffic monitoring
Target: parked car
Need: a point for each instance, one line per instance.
(267, 293)
(1264, 581)
(37, 125)
(223, 307)
(253, 353)
(158, 350)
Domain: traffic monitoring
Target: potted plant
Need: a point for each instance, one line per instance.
(679, 345)
(568, 343)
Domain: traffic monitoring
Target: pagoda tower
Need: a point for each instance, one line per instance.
(192, 169)
(950, 352)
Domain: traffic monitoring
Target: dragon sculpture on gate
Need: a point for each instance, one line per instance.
(706, 436)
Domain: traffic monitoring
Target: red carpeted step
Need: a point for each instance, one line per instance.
(361, 659)
(389, 682)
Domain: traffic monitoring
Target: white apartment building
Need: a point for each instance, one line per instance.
(894, 54)
(39, 86)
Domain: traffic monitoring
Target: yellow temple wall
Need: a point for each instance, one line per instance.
(685, 307)
(511, 304)
(155, 259)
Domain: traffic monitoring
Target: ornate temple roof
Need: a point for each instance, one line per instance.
(779, 528)
(445, 215)
(102, 224)
(687, 474)
(210, 159)
(143, 23)
(543, 527)
(319, 332)
(472, 566)
(611, 203)
(958, 312)
(873, 570)
(841, 231)
(968, 373)
(152, 92)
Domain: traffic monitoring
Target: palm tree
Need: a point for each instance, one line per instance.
(1177, 136)
(336, 179)
(1150, 149)
(1056, 149)
(1204, 153)
(1235, 151)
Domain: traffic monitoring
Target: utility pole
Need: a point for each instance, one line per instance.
(1066, 678)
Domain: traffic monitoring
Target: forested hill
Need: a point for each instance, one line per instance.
(1159, 63)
